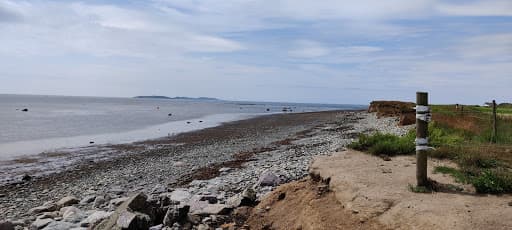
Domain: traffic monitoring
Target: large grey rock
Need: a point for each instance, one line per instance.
(132, 214)
(175, 214)
(6, 225)
(133, 220)
(67, 201)
(40, 223)
(87, 199)
(95, 218)
(99, 201)
(246, 198)
(180, 195)
(268, 178)
(205, 209)
(118, 201)
(72, 214)
(59, 225)
(46, 207)
(157, 227)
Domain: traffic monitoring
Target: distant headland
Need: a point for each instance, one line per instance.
(179, 98)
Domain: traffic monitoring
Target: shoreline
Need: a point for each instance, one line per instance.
(42, 163)
(231, 156)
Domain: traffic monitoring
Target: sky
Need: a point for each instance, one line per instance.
(325, 51)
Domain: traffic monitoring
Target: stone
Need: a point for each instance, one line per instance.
(118, 201)
(180, 195)
(72, 214)
(59, 225)
(159, 188)
(246, 198)
(179, 164)
(203, 227)
(6, 225)
(40, 223)
(116, 190)
(99, 201)
(46, 207)
(175, 214)
(212, 199)
(211, 209)
(157, 227)
(67, 201)
(131, 220)
(134, 213)
(87, 199)
(51, 215)
(95, 218)
(268, 178)
(224, 170)
(26, 177)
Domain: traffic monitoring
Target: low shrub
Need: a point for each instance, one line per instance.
(384, 144)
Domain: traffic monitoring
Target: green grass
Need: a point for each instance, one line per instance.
(463, 138)
(384, 144)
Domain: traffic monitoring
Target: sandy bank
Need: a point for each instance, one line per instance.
(375, 192)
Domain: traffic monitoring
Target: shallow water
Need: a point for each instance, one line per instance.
(55, 122)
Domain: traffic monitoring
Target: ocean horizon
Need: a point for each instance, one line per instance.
(33, 124)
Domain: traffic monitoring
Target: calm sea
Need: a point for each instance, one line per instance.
(54, 122)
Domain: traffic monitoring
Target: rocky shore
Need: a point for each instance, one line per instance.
(200, 180)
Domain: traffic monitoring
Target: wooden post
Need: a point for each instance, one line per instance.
(421, 134)
(494, 125)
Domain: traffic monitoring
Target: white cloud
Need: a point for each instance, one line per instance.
(477, 8)
(308, 49)
(491, 47)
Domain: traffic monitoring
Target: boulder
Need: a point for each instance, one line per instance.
(159, 188)
(87, 199)
(59, 225)
(268, 178)
(157, 227)
(46, 207)
(67, 201)
(40, 223)
(175, 214)
(246, 198)
(180, 195)
(134, 213)
(95, 218)
(6, 225)
(210, 209)
(133, 220)
(72, 214)
(99, 201)
(118, 201)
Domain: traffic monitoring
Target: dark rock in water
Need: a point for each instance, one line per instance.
(200, 121)
(24, 110)
(91, 142)
(188, 122)
(170, 114)
(26, 177)
(6, 225)
(268, 110)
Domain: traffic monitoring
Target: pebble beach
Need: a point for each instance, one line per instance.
(211, 173)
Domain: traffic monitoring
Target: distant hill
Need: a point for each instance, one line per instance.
(179, 98)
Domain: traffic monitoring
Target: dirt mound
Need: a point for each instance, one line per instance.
(403, 110)
(378, 190)
(305, 205)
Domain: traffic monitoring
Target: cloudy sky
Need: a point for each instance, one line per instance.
(332, 51)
